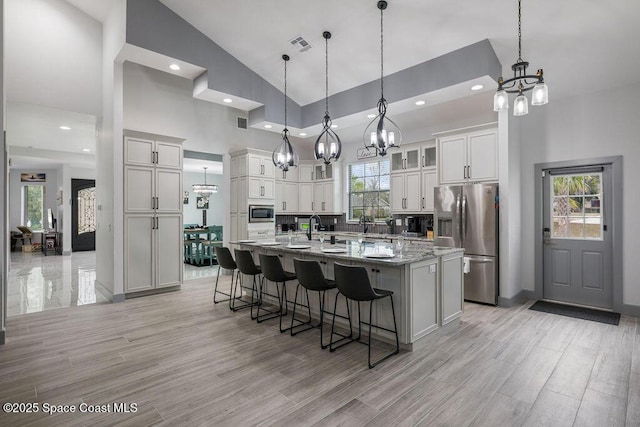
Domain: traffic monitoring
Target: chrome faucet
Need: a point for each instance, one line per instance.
(363, 222)
(319, 221)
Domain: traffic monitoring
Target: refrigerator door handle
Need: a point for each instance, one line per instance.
(480, 260)
(457, 222)
(464, 218)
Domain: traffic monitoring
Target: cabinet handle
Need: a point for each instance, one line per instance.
(469, 171)
(311, 205)
(465, 172)
(423, 203)
(422, 161)
(157, 202)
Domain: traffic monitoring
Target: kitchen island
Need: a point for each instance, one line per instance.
(427, 281)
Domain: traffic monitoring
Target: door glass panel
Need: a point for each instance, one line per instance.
(396, 161)
(576, 201)
(430, 156)
(413, 159)
(328, 171)
(86, 210)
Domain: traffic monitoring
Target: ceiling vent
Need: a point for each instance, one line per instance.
(241, 122)
(299, 42)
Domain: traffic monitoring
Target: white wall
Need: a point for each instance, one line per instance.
(215, 214)
(15, 194)
(53, 41)
(593, 125)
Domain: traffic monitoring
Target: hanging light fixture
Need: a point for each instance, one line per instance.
(284, 157)
(382, 133)
(521, 83)
(205, 190)
(328, 146)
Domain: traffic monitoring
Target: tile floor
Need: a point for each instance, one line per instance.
(39, 283)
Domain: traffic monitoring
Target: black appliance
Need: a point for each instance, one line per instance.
(413, 224)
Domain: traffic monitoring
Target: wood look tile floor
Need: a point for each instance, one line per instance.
(185, 361)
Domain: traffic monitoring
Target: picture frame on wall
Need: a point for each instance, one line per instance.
(185, 198)
(33, 177)
(202, 202)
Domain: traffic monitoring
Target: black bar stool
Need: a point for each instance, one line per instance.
(353, 283)
(272, 270)
(246, 266)
(225, 260)
(311, 278)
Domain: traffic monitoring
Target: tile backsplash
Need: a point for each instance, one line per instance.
(341, 223)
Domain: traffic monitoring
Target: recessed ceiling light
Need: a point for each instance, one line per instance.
(303, 134)
(228, 100)
(174, 67)
(65, 128)
(421, 102)
(86, 150)
(268, 126)
(476, 87)
(370, 116)
(334, 126)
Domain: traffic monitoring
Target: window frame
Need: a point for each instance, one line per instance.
(348, 187)
(24, 215)
(600, 195)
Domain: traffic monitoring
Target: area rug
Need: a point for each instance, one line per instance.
(577, 312)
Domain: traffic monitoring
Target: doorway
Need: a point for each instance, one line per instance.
(579, 232)
(83, 215)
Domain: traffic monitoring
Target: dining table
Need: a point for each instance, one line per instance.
(195, 250)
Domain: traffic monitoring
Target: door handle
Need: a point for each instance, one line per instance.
(423, 203)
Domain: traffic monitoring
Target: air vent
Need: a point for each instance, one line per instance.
(241, 122)
(299, 42)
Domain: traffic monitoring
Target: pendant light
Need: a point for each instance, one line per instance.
(382, 133)
(205, 190)
(521, 83)
(284, 157)
(328, 146)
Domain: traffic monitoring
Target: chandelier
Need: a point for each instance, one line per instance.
(328, 146)
(521, 83)
(284, 157)
(205, 190)
(382, 133)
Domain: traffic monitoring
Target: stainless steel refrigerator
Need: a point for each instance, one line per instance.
(466, 216)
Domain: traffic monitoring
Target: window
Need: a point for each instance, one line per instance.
(369, 185)
(576, 201)
(33, 213)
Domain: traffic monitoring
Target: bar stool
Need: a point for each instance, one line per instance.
(311, 278)
(353, 283)
(272, 270)
(225, 261)
(246, 266)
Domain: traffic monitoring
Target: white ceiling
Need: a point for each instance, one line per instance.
(579, 43)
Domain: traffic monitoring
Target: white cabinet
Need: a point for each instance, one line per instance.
(405, 192)
(423, 298)
(286, 195)
(305, 197)
(260, 188)
(471, 156)
(325, 198)
(290, 175)
(323, 171)
(238, 195)
(406, 160)
(153, 232)
(148, 152)
(429, 158)
(452, 283)
(305, 172)
(260, 165)
(429, 182)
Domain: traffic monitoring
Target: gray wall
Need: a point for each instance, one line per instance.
(592, 125)
(215, 214)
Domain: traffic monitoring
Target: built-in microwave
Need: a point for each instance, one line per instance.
(261, 213)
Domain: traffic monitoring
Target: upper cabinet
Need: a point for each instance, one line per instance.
(323, 171)
(406, 159)
(144, 152)
(468, 157)
(252, 163)
(306, 171)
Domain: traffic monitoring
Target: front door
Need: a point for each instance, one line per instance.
(83, 215)
(577, 258)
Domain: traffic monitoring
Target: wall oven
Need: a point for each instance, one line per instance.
(261, 213)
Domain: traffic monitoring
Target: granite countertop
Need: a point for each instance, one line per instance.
(378, 236)
(412, 251)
